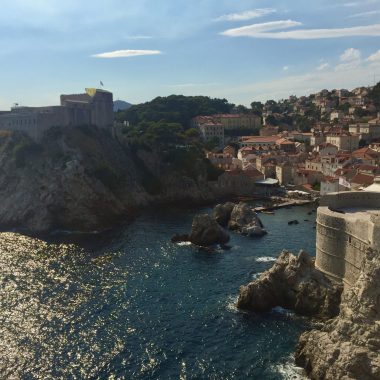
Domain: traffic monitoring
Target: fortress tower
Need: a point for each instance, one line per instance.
(348, 223)
(94, 107)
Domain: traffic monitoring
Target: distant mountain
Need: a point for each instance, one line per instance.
(121, 105)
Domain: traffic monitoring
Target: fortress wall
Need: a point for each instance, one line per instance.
(351, 199)
(342, 239)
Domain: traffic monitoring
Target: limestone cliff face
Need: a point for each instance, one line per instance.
(346, 342)
(79, 179)
(348, 347)
(292, 283)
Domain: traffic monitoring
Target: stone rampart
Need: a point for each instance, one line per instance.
(345, 229)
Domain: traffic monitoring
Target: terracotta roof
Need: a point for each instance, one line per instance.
(253, 173)
(365, 167)
(259, 139)
(365, 151)
(363, 179)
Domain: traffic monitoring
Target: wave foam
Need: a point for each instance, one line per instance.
(265, 259)
(289, 371)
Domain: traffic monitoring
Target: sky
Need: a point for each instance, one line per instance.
(241, 50)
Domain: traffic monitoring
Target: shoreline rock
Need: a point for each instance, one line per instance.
(345, 344)
(348, 346)
(292, 283)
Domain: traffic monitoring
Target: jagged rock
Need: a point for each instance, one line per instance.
(348, 347)
(206, 231)
(292, 283)
(222, 213)
(245, 220)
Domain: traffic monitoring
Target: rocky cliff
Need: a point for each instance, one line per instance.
(83, 179)
(346, 342)
(292, 283)
(348, 346)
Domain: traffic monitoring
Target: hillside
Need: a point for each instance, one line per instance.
(174, 109)
(82, 179)
(121, 105)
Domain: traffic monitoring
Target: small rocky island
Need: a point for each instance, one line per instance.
(211, 229)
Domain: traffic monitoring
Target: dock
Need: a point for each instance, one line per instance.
(288, 203)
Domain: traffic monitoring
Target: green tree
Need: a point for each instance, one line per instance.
(257, 108)
(374, 95)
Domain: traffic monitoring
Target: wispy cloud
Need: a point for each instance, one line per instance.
(285, 68)
(139, 37)
(323, 66)
(360, 3)
(246, 15)
(375, 57)
(353, 4)
(365, 14)
(264, 31)
(126, 53)
(257, 30)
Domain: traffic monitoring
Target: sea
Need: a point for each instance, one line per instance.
(129, 304)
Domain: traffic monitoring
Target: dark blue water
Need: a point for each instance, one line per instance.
(132, 305)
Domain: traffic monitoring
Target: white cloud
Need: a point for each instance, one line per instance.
(126, 53)
(138, 37)
(365, 14)
(256, 30)
(348, 66)
(261, 31)
(374, 57)
(285, 68)
(350, 54)
(348, 75)
(359, 3)
(351, 59)
(351, 4)
(323, 66)
(246, 15)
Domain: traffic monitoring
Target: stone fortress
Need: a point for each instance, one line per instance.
(94, 107)
(348, 223)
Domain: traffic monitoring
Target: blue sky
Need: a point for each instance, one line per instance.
(242, 50)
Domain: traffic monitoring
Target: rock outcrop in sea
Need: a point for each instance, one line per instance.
(245, 221)
(210, 229)
(292, 283)
(206, 231)
(222, 213)
(348, 346)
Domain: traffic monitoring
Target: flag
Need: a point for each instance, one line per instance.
(101, 83)
(344, 183)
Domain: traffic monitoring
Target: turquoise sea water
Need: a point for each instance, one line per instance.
(129, 304)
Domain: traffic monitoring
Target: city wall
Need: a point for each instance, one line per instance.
(343, 238)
